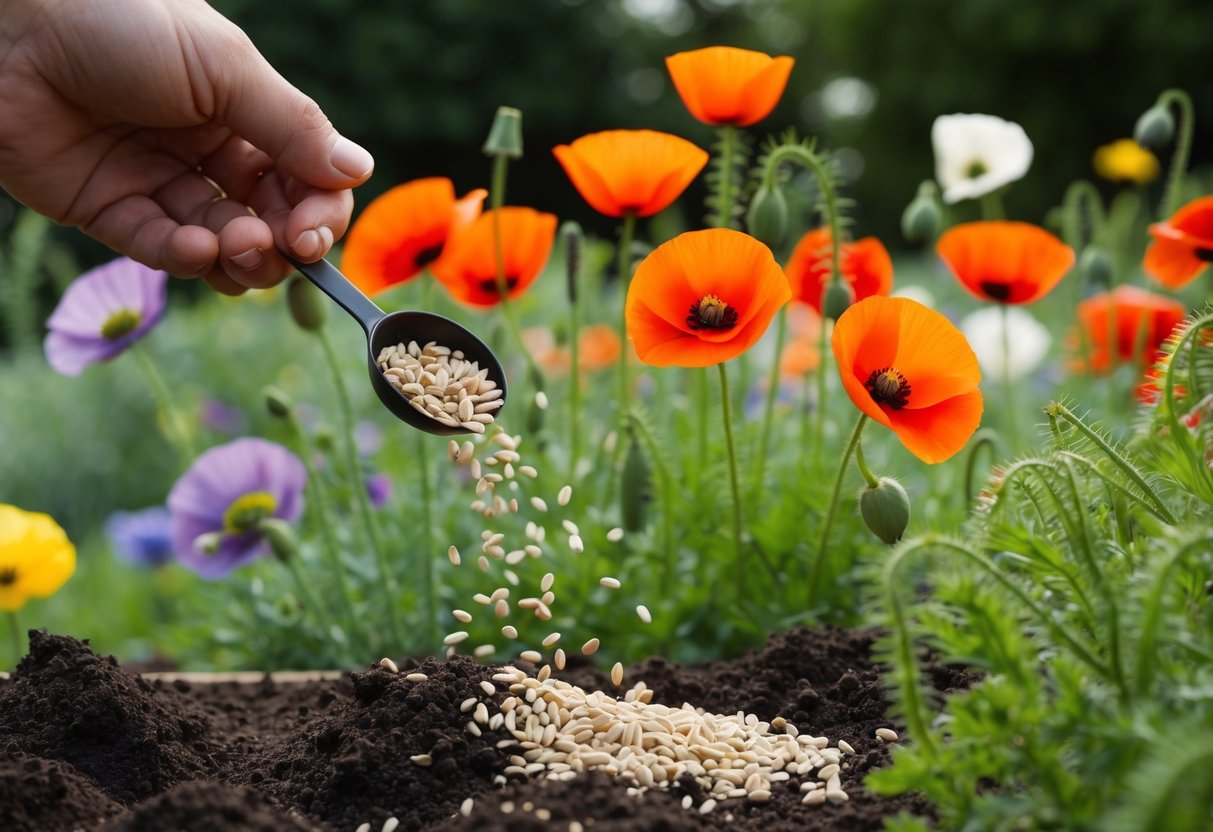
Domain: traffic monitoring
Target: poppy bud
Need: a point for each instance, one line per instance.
(505, 136)
(571, 234)
(1096, 264)
(634, 487)
(837, 298)
(325, 439)
(1155, 128)
(885, 509)
(281, 537)
(309, 308)
(277, 402)
(921, 219)
(767, 216)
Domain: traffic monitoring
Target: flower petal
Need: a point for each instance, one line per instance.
(1006, 262)
(935, 433)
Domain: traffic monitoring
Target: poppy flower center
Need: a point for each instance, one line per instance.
(888, 386)
(247, 510)
(1000, 292)
(976, 168)
(120, 323)
(427, 256)
(710, 312)
(8, 576)
(1205, 254)
(490, 286)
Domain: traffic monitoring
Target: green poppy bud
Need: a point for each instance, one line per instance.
(885, 509)
(635, 484)
(573, 238)
(837, 298)
(277, 402)
(921, 219)
(325, 439)
(767, 216)
(309, 308)
(1096, 264)
(1155, 128)
(281, 537)
(505, 136)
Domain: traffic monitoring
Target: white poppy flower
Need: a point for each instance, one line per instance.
(1027, 337)
(915, 291)
(977, 154)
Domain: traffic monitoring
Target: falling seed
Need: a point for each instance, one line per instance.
(643, 612)
(416, 677)
(559, 659)
(565, 495)
(551, 639)
(462, 615)
(388, 665)
(615, 535)
(452, 450)
(576, 543)
(610, 583)
(570, 527)
(541, 400)
(511, 576)
(528, 471)
(500, 593)
(484, 650)
(617, 673)
(532, 656)
(453, 555)
(501, 608)
(481, 598)
(886, 735)
(539, 504)
(546, 583)
(590, 647)
(509, 631)
(455, 638)
(532, 550)
(465, 452)
(548, 598)
(483, 563)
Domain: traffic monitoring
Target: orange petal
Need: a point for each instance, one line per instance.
(630, 171)
(934, 356)
(935, 433)
(587, 181)
(726, 85)
(763, 91)
(469, 269)
(1005, 262)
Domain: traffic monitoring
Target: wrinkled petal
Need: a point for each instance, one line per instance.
(964, 142)
(1182, 247)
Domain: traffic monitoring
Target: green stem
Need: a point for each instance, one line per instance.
(427, 542)
(1082, 202)
(496, 202)
(871, 479)
(768, 411)
(831, 510)
(641, 431)
(362, 500)
(14, 629)
(734, 483)
(1146, 653)
(724, 197)
(624, 271)
(983, 439)
(574, 411)
(701, 427)
(1183, 149)
(991, 206)
(176, 431)
(819, 417)
(308, 597)
(913, 705)
(1056, 409)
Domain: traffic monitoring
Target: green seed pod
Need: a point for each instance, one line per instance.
(635, 483)
(1096, 264)
(277, 402)
(885, 509)
(837, 298)
(325, 439)
(281, 537)
(309, 308)
(921, 219)
(767, 216)
(505, 136)
(1155, 128)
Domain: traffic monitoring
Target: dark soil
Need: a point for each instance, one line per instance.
(84, 745)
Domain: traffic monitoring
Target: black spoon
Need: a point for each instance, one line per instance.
(385, 329)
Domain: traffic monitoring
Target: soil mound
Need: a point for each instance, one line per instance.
(203, 806)
(45, 794)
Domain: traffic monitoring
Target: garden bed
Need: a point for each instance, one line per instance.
(88, 746)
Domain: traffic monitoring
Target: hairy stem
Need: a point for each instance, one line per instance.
(831, 510)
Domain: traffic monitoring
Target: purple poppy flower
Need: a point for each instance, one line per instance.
(218, 503)
(379, 488)
(141, 538)
(102, 313)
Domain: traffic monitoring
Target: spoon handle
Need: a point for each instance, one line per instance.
(338, 287)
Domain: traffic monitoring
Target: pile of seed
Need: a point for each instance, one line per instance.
(442, 384)
(561, 730)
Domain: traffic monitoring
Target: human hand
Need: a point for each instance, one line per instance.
(157, 128)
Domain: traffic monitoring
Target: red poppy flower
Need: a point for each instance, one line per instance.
(468, 268)
(1005, 262)
(726, 85)
(908, 368)
(703, 297)
(1143, 322)
(636, 172)
(866, 265)
(404, 230)
(1183, 245)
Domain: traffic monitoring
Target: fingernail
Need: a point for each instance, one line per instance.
(248, 260)
(351, 159)
(308, 245)
(326, 238)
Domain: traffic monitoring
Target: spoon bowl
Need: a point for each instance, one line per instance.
(386, 329)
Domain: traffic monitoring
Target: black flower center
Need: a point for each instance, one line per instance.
(710, 312)
(1000, 292)
(1205, 254)
(976, 168)
(427, 256)
(490, 286)
(888, 386)
(8, 576)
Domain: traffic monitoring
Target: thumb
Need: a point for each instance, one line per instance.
(263, 108)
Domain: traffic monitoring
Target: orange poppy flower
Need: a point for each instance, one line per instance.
(404, 230)
(1005, 262)
(468, 268)
(1143, 322)
(1183, 245)
(703, 297)
(726, 85)
(598, 347)
(636, 172)
(908, 368)
(866, 265)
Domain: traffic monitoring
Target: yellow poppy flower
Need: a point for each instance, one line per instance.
(1124, 160)
(36, 558)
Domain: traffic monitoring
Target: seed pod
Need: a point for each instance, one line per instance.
(885, 509)
(277, 402)
(1155, 127)
(309, 308)
(921, 219)
(1097, 266)
(281, 537)
(571, 234)
(767, 216)
(635, 482)
(837, 298)
(505, 135)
